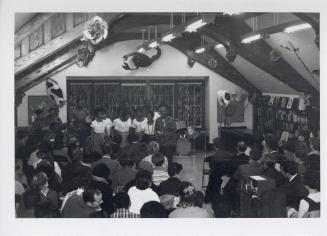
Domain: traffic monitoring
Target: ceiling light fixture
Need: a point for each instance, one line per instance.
(251, 38)
(141, 50)
(200, 50)
(194, 26)
(219, 46)
(153, 44)
(295, 28)
(168, 37)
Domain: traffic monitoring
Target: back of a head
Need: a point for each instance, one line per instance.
(187, 194)
(126, 160)
(106, 148)
(157, 159)
(44, 147)
(198, 199)
(72, 148)
(38, 180)
(81, 177)
(255, 154)
(312, 179)
(121, 200)
(154, 147)
(218, 143)
(241, 146)
(143, 179)
(174, 169)
(145, 165)
(153, 209)
(289, 167)
(101, 170)
(89, 192)
(46, 166)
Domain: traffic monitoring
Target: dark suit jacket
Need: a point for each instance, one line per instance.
(295, 191)
(170, 186)
(246, 170)
(272, 173)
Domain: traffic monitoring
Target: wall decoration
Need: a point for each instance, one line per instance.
(36, 39)
(95, 30)
(80, 17)
(275, 55)
(54, 92)
(58, 24)
(134, 60)
(224, 97)
(234, 112)
(212, 63)
(85, 54)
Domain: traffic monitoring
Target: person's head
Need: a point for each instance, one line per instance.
(100, 113)
(92, 196)
(187, 195)
(132, 138)
(46, 166)
(157, 159)
(241, 147)
(150, 115)
(218, 143)
(39, 113)
(40, 181)
(126, 160)
(54, 111)
(80, 104)
(31, 198)
(121, 200)
(303, 135)
(45, 209)
(198, 199)
(255, 154)
(22, 136)
(75, 153)
(299, 157)
(101, 170)
(154, 147)
(314, 144)
(145, 165)
(289, 147)
(139, 114)
(271, 142)
(288, 168)
(124, 115)
(163, 110)
(55, 126)
(143, 147)
(175, 169)
(312, 180)
(143, 179)
(43, 150)
(153, 209)
(81, 177)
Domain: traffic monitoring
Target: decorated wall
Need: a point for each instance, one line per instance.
(108, 62)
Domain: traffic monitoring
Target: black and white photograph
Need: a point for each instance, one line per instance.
(209, 116)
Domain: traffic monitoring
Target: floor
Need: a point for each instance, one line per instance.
(192, 167)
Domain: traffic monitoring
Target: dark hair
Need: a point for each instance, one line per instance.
(241, 146)
(122, 200)
(125, 159)
(271, 141)
(106, 148)
(305, 134)
(174, 169)
(44, 147)
(143, 147)
(290, 146)
(289, 167)
(132, 137)
(150, 112)
(71, 148)
(312, 179)
(47, 167)
(101, 170)
(38, 112)
(31, 198)
(255, 153)
(157, 159)
(116, 151)
(89, 193)
(153, 209)
(99, 110)
(143, 179)
(198, 199)
(45, 209)
(187, 194)
(123, 113)
(81, 176)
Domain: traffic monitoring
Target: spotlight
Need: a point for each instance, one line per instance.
(168, 37)
(141, 50)
(295, 28)
(200, 50)
(153, 44)
(194, 26)
(251, 38)
(219, 46)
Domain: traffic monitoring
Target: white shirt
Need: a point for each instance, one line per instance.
(122, 126)
(149, 129)
(149, 159)
(139, 197)
(140, 126)
(304, 205)
(101, 127)
(34, 160)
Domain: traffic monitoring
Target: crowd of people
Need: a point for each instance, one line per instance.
(123, 168)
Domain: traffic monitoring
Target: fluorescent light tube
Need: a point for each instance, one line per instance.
(200, 50)
(295, 28)
(219, 46)
(168, 38)
(194, 26)
(154, 44)
(251, 38)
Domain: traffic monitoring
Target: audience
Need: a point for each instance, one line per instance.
(153, 209)
(159, 173)
(173, 184)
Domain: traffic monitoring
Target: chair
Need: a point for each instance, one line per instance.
(205, 172)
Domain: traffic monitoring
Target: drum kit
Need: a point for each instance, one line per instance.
(186, 140)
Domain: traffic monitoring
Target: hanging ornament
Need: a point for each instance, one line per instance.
(134, 60)
(212, 63)
(54, 92)
(85, 54)
(275, 55)
(224, 97)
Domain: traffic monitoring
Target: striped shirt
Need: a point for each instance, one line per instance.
(124, 213)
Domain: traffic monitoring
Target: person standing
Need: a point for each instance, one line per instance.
(165, 129)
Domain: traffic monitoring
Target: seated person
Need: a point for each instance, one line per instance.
(294, 188)
(172, 185)
(310, 205)
(154, 148)
(82, 203)
(141, 192)
(240, 157)
(111, 163)
(302, 141)
(28, 202)
(313, 157)
(271, 172)
(102, 182)
(159, 173)
(122, 204)
(190, 205)
(153, 209)
(125, 174)
(139, 122)
(299, 160)
(54, 180)
(253, 168)
(45, 209)
(289, 150)
(271, 147)
(122, 125)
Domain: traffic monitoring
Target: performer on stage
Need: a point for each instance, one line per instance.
(165, 128)
(122, 125)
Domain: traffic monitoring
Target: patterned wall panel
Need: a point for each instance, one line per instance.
(36, 39)
(80, 18)
(58, 24)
